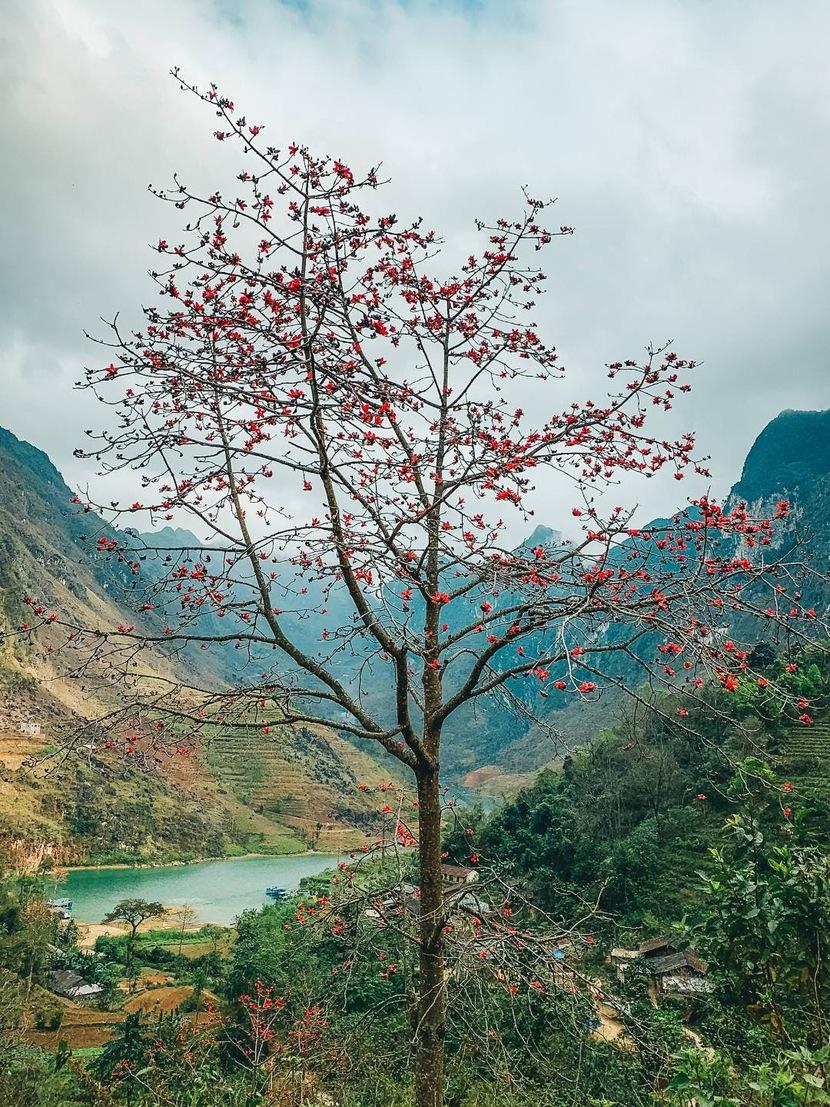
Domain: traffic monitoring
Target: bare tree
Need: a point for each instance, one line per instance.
(186, 914)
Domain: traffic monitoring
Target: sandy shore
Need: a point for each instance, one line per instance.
(88, 932)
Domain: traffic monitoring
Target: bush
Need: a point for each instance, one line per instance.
(48, 1018)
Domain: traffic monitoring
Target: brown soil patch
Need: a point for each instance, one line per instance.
(161, 1001)
(89, 932)
(490, 780)
(82, 1027)
(152, 978)
(87, 1027)
(15, 749)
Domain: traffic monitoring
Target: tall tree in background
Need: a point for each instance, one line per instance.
(133, 912)
(344, 428)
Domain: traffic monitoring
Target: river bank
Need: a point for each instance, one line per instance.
(117, 866)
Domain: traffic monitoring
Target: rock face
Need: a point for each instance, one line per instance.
(790, 453)
(789, 460)
(544, 536)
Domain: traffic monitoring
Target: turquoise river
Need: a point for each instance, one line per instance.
(216, 890)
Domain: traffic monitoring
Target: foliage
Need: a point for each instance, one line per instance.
(31, 1078)
(300, 331)
(173, 1062)
(765, 925)
(633, 815)
(305, 1017)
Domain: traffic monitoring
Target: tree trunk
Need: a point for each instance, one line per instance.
(130, 958)
(432, 998)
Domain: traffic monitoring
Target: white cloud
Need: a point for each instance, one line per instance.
(687, 142)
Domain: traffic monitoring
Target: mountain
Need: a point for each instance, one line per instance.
(791, 454)
(274, 793)
(789, 460)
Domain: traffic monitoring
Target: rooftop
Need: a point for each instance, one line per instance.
(652, 945)
(68, 983)
(687, 959)
(458, 873)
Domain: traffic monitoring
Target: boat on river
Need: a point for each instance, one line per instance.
(276, 893)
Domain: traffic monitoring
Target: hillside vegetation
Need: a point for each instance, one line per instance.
(281, 792)
(716, 835)
(285, 791)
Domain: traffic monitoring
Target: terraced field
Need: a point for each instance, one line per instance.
(806, 756)
(277, 793)
(87, 1028)
(306, 781)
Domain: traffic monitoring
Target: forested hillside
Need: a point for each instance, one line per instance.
(785, 478)
(702, 846)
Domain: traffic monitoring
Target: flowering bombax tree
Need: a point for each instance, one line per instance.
(336, 422)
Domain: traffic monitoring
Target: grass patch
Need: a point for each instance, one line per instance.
(172, 936)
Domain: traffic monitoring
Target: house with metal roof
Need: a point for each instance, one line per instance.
(65, 982)
(673, 970)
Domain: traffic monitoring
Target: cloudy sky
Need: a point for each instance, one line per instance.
(688, 141)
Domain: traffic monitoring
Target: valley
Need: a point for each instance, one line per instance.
(241, 792)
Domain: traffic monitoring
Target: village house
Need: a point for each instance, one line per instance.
(393, 904)
(60, 908)
(461, 898)
(646, 953)
(462, 903)
(453, 875)
(622, 960)
(680, 973)
(30, 728)
(673, 970)
(65, 982)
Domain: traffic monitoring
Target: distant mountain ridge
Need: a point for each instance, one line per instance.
(790, 459)
(278, 793)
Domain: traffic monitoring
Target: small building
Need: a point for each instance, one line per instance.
(65, 982)
(453, 875)
(673, 970)
(621, 961)
(657, 947)
(680, 973)
(460, 898)
(466, 910)
(30, 728)
(60, 908)
(393, 904)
